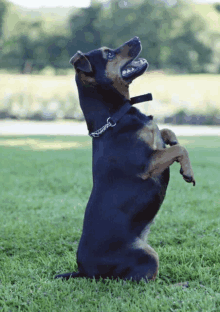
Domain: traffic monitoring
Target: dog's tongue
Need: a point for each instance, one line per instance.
(133, 67)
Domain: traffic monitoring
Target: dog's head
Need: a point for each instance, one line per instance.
(110, 68)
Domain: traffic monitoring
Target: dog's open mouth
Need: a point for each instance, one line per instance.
(134, 69)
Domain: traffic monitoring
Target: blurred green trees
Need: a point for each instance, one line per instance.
(84, 35)
(217, 6)
(3, 8)
(170, 39)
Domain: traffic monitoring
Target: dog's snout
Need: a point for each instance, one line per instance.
(134, 47)
(134, 41)
(137, 38)
(130, 48)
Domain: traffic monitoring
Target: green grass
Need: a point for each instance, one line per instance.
(43, 197)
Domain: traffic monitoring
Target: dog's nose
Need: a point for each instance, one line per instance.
(136, 38)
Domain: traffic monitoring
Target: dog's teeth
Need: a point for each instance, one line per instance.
(127, 71)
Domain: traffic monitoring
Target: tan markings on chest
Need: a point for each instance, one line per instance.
(150, 134)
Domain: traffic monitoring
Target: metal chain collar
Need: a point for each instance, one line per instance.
(111, 121)
(98, 132)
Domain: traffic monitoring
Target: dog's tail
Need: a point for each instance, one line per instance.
(66, 276)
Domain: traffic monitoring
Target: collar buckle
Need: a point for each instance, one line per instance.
(110, 122)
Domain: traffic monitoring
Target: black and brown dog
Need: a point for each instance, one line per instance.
(130, 167)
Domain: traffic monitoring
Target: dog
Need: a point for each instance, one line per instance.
(130, 167)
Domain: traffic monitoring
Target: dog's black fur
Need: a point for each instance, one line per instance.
(130, 169)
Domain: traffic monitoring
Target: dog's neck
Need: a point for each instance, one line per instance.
(98, 104)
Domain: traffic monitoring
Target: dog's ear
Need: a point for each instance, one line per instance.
(80, 61)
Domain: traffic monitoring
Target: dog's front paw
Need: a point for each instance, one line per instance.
(189, 178)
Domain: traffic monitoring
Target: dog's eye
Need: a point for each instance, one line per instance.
(110, 55)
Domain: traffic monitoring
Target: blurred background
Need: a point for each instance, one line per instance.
(180, 40)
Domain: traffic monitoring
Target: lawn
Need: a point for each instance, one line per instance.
(43, 196)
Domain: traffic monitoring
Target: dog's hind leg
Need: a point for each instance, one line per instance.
(146, 263)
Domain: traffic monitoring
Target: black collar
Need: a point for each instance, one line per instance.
(112, 121)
